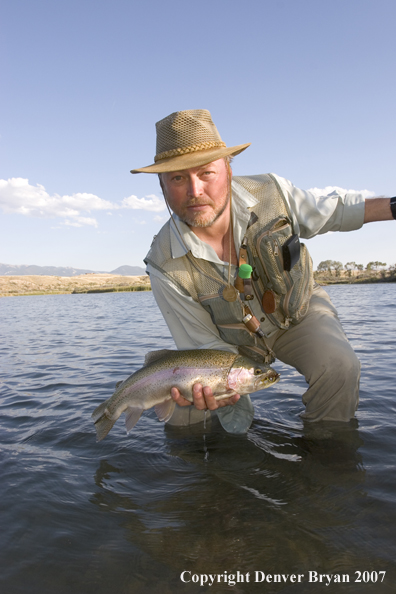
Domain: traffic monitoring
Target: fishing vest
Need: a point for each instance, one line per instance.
(270, 226)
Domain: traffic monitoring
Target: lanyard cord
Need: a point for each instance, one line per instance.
(230, 293)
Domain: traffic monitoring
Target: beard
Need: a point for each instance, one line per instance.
(203, 220)
(199, 219)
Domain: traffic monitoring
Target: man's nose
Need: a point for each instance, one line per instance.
(195, 186)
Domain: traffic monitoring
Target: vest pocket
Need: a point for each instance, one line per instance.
(297, 300)
(228, 317)
(269, 251)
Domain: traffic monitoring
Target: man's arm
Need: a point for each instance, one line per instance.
(315, 214)
(377, 209)
(338, 211)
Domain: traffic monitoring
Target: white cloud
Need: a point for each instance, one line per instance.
(337, 190)
(81, 222)
(17, 196)
(151, 203)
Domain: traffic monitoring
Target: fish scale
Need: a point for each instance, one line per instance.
(224, 372)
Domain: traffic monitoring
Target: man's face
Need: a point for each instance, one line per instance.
(199, 196)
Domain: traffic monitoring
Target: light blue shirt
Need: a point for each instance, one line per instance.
(189, 323)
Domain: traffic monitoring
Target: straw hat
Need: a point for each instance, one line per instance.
(188, 139)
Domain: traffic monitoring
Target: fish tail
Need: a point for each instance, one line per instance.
(102, 420)
(100, 410)
(103, 426)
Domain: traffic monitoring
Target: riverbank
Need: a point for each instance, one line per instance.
(355, 277)
(12, 286)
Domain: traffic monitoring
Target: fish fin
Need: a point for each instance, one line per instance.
(132, 415)
(118, 384)
(164, 410)
(156, 355)
(103, 426)
(227, 394)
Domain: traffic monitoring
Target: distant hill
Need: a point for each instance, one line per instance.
(129, 270)
(22, 270)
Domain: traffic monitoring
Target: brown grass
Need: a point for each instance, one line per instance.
(53, 285)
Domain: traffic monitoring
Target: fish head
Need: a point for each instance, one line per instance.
(246, 376)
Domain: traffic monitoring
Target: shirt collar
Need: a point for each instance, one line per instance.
(183, 239)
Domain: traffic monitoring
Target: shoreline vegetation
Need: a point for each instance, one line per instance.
(354, 277)
(347, 281)
(330, 272)
(28, 285)
(16, 286)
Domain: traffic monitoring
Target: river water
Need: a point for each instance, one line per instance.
(160, 509)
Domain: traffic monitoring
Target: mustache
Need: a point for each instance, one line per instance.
(199, 202)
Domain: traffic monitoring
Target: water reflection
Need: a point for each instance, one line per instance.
(266, 500)
(131, 513)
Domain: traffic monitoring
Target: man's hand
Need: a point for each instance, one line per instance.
(203, 398)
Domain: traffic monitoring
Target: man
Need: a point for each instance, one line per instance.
(272, 308)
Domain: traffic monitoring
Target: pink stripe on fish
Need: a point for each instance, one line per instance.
(238, 376)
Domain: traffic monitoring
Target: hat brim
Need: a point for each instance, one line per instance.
(195, 159)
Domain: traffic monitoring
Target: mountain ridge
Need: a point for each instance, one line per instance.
(65, 271)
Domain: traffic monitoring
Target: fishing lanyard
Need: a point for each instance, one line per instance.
(242, 289)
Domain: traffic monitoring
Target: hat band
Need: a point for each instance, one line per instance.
(188, 149)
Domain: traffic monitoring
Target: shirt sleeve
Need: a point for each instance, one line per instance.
(189, 323)
(315, 215)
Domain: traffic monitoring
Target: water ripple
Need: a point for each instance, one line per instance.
(133, 511)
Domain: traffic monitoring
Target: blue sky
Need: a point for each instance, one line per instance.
(310, 83)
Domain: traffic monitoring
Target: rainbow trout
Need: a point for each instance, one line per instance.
(226, 373)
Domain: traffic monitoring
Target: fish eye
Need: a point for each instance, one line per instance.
(257, 371)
